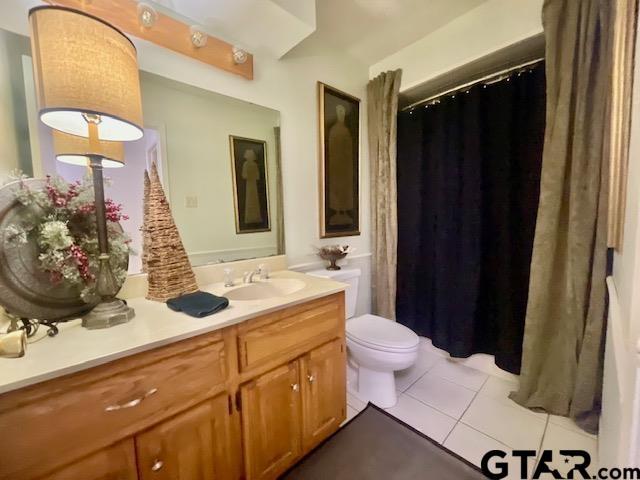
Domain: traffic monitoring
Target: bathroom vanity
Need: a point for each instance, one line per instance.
(241, 394)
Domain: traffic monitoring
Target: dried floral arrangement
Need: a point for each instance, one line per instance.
(61, 219)
(333, 253)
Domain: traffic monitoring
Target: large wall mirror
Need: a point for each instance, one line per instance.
(217, 156)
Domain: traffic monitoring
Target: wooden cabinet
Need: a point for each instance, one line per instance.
(98, 407)
(271, 421)
(117, 462)
(323, 383)
(194, 445)
(246, 401)
(289, 410)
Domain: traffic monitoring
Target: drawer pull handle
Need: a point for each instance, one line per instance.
(157, 465)
(295, 387)
(311, 378)
(133, 403)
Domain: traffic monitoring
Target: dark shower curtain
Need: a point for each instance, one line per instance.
(468, 186)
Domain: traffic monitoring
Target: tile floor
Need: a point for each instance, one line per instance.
(469, 412)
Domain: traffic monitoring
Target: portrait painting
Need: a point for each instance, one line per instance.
(339, 122)
(250, 184)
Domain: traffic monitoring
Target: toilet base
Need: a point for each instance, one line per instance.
(376, 387)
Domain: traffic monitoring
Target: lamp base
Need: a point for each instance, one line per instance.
(108, 314)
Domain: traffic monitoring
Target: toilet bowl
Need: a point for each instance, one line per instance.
(376, 346)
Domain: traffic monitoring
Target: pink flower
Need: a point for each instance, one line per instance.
(82, 261)
(114, 211)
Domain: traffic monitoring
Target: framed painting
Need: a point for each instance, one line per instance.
(339, 123)
(250, 184)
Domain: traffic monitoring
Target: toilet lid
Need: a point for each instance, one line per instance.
(380, 332)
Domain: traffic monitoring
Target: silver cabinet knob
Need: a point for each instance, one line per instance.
(311, 378)
(295, 387)
(157, 465)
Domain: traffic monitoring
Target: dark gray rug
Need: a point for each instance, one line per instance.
(376, 445)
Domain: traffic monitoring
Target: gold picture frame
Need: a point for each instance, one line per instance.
(339, 162)
(622, 64)
(250, 177)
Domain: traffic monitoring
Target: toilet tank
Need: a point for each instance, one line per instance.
(350, 276)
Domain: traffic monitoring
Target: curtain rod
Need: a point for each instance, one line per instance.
(487, 80)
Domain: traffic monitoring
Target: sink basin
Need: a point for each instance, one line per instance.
(264, 289)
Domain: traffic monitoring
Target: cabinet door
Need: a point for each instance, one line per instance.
(323, 372)
(194, 445)
(271, 422)
(117, 462)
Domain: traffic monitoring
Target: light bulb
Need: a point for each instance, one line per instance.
(147, 15)
(198, 36)
(239, 56)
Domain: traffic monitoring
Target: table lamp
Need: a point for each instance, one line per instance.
(87, 85)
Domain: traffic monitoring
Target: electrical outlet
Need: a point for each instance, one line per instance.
(191, 201)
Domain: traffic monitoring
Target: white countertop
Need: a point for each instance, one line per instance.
(76, 348)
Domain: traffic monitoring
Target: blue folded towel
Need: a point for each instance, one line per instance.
(198, 304)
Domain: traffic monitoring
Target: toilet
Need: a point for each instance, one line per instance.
(377, 347)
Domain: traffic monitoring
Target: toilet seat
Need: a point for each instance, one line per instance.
(381, 334)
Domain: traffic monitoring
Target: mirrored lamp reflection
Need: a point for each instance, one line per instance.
(87, 85)
(76, 150)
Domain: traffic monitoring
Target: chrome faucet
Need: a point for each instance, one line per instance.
(248, 276)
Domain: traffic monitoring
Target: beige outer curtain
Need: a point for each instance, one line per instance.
(382, 110)
(563, 341)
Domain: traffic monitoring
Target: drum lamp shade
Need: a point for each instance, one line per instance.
(77, 150)
(83, 65)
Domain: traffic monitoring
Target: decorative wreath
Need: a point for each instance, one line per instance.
(61, 219)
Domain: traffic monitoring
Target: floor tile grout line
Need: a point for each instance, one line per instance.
(544, 434)
(450, 432)
(577, 429)
(465, 411)
(446, 380)
(419, 378)
(475, 429)
(431, 407)
(474, 397)
(487, 375)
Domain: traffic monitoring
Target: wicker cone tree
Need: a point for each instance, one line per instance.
(145, 215)
(168, 268)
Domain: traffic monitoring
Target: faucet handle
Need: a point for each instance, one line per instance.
(263, 270)
(228, 277)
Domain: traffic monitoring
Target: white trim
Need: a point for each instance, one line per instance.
(301, 267)
(205, 257)
(620, 419)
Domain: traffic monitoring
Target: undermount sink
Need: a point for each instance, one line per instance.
(264, 289)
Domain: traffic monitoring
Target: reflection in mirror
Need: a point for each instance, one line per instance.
(227, 205)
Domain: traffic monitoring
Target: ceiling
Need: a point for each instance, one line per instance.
(260, 26)
(371, 30)
(368, 30)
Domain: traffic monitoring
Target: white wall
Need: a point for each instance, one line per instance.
(620, 422)
(491, 26)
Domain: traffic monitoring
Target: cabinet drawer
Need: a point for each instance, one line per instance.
(87, 416)
(269, 340)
